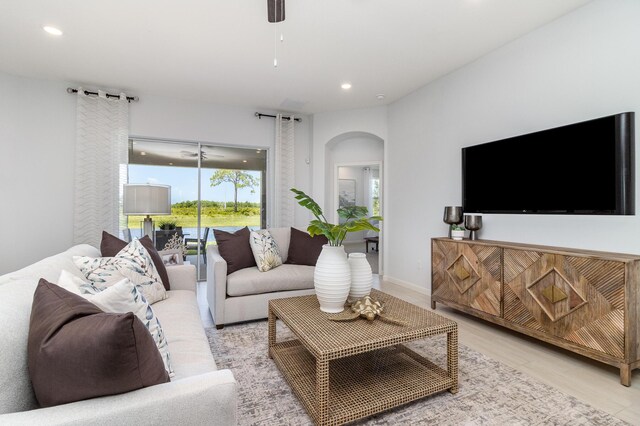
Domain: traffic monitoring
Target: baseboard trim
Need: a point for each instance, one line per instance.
(407, 284)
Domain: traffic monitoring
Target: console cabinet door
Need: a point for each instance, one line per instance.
(579, 299)
(467, 274)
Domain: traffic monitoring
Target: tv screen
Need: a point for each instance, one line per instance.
(582, 168)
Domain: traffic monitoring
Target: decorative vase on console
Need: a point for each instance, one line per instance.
(332, 275)
(453, 217)
(361, 276)
(473, 223)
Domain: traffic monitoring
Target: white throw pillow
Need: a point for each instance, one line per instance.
(119, 298)
(265, 250)
(132, 262)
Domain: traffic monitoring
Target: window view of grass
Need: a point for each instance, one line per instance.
(214, 214)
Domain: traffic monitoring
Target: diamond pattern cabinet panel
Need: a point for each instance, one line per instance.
(564, 303)
(584, 301)
(467, 275)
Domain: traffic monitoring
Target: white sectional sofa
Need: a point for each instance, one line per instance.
(198, 394)
(244, 294)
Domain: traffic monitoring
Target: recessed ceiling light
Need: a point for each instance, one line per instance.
(52, 30)
(346, 86)
(143, 153)
(244, 161)
(380, 96)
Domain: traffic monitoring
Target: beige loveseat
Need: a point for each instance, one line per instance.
(244, 294)
(198, 394)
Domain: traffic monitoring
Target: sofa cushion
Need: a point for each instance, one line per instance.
(49, 267)
(120, 298)
(16, 393)
(305, 249)
(132, 262)
(286, 277)
(282, 237)
(235, 249)
(182, 325)
(16, 296)
(265, 250)
(111, 245)
(75, 351)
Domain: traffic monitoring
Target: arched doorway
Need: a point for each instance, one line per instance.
(354, 174)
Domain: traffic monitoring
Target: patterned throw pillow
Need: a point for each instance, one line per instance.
(120, 298)
(265, 250)
(132, 262)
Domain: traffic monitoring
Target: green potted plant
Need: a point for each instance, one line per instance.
(332, 274)
(457, 232)
(167, 226)
(355, 220)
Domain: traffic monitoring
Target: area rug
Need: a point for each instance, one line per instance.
(490, 393)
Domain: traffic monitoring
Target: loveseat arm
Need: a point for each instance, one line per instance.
(182, 277)
(204, 399)
(216, 284)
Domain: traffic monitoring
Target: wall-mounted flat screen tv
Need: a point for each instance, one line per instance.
(581, 168)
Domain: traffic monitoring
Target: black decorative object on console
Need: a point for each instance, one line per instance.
(452, 216)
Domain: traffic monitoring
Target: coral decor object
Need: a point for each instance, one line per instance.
(367, 308)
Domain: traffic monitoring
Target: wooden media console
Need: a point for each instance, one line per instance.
(583, 301)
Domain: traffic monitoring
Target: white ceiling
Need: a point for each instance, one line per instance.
(222, 51)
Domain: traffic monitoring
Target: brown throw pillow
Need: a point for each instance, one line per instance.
(75, 351)
(110, 246)
(305, 249)
(235, 249)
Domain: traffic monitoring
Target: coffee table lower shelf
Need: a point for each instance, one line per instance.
(363, 384)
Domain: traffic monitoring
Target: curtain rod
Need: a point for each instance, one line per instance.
(108, 95)
(260, 115)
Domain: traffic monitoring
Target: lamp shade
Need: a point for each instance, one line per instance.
(145, 199)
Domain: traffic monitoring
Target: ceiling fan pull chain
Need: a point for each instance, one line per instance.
(275, 45)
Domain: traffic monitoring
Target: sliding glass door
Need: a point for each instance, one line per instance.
(211, 187)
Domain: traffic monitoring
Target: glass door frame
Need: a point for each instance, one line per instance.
(267, 184)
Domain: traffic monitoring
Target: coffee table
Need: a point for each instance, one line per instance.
(344, 371)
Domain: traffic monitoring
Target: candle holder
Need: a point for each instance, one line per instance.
(473, 223)
(452, 216)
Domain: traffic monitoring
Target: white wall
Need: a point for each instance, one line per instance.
(581, 66)
(37, 139)
(37, 136)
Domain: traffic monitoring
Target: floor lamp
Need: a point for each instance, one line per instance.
(149, 200)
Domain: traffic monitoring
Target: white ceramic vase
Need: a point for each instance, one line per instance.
(332, 279)
(361, 276)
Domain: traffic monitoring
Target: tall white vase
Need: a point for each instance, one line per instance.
(332, 279)
(361, 276)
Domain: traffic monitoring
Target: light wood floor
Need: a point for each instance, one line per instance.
(589, 381)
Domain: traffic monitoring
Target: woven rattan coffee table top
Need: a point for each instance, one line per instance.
(328, 340)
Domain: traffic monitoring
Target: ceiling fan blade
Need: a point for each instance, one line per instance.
(275, 10)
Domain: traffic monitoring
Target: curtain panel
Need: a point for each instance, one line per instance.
(102, 131)
(284, 172)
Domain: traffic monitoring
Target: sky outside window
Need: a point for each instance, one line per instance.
(184, 183)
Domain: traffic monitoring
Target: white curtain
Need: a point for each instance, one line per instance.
(102, 130)
(284, 171)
